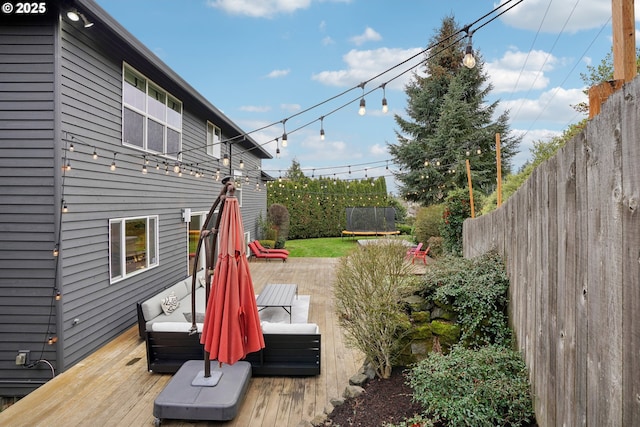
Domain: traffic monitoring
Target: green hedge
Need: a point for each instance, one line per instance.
(317, 206)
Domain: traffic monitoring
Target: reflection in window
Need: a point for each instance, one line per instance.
(152, 118)
(194, 235)
(133, 246)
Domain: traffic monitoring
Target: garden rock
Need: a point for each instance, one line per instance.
(352, 391)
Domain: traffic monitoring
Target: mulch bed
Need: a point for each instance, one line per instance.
(384, 401)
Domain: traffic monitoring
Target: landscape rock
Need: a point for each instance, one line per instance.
(358, 379)
(352, 391)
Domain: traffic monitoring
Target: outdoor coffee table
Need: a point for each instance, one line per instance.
(277, 295)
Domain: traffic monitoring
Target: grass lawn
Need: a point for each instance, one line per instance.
(326, 247)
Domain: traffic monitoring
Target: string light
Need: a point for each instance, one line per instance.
(225, 159)
(176, 168)
(58, 295)
(113, 164)
(95, 154)
(385, 106)
(65, 209)
(71, 147)
(322, 128)
(362, 110)
(56, 250)
(469, 60)
(284, 134)
(241, 164)
(67, 168)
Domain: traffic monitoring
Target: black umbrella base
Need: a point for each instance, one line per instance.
(181, 400)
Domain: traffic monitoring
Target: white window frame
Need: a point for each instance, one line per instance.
(165, 113)
(214, 145)
(122, 249)
(202, 260)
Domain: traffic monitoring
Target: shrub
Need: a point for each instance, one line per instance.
(427, 224)
(278, 218)
(404, 228)
(457, 209)
(436, 246)
(268, 244)
(484, 387)
(476, 289)
(370, 283)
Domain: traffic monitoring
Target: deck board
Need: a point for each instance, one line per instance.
(112, 387)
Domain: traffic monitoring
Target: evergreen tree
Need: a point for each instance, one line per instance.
(450, 121)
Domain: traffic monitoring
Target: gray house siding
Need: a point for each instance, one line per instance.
(92, 116)
(27, 194)
(61, 85)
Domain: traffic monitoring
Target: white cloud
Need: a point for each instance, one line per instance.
(528, 138)
(553, 106)
(520, 71)
(278, 73)
(379, 150)
(363, 64)
(259, 8)
(560, 16)
(255, 108)
(327, 41)
(264, 8)
(291, 108)
(323, 25)
(369, 35)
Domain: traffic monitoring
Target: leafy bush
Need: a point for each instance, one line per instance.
(268, 244)
(370, 283)
(476, 289)
(435, 243)
(278, 218)
(404, 228)
(484, 387)
(457, 209)
(428, 221)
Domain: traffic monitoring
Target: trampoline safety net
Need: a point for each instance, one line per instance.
(371, 219)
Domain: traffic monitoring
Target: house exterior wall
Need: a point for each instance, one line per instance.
(27, 199)
(61, 85)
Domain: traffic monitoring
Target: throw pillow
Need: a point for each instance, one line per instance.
(170, 303)
(199, 317)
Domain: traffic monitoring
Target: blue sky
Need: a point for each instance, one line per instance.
(262, 61)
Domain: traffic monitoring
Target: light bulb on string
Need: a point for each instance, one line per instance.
(322, 128)
(385, 106)
(71, 147)
(225, 159)
(362, 110)
(284, 133)
(95, 154)
(113, 163)
(241, 164)
(469, 60)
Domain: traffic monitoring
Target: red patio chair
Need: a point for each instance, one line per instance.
(421, 255)
(275, 251)
(257, 253)
(411, 252)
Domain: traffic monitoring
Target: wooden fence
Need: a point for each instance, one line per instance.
(570, 238)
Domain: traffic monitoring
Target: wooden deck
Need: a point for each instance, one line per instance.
(112, 387)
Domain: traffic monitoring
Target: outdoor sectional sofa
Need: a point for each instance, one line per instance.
(291, 349)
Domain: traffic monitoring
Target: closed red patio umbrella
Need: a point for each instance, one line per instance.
(231, 327)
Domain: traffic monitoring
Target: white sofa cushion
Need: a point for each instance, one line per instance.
(174, 327)
(289, 328)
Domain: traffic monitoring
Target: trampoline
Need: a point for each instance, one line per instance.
(370, 221)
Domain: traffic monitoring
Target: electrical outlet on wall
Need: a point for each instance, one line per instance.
(23, 357)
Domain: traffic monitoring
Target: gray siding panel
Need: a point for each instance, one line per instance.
(92, 110)
(27, 189)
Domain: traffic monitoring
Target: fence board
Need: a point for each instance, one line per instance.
(604, 232)
(631, 253)
(570, 238)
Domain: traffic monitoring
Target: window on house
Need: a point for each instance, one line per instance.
(214, 138)
(133, 246)
(151, 118)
